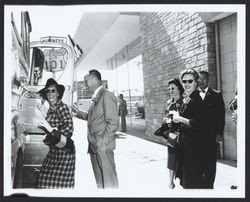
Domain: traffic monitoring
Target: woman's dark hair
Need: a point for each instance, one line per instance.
(190, 71)
(176, 82)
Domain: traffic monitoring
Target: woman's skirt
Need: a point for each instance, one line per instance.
(172, 158)
(58, 169)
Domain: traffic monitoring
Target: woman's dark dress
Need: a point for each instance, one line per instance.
(173, 152)
(190, 166)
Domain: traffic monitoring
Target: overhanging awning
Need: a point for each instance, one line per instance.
(101, 35)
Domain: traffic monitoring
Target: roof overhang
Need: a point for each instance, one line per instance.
(101, 35)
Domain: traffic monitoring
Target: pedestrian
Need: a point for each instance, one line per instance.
(123, 112)
(190, 117)
(173, 104)
(58, 167)
(213, 128)
(103, 121)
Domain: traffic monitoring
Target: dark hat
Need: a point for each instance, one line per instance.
(52, 82)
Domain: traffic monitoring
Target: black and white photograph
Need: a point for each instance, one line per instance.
(125, 100)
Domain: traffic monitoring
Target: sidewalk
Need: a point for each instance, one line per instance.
(142, 169)
(137, 129)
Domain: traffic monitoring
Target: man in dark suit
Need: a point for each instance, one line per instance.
(103, 121)
(213, 128)
(123, 112)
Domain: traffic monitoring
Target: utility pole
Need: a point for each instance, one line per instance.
(129, 91)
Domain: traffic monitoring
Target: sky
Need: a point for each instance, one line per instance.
(49, 20)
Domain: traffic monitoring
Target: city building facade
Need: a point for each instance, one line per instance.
(167, 42)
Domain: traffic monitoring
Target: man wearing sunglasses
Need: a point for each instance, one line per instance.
(214, 126)
(102, 118)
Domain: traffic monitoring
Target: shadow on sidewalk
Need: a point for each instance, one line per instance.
(137, 128)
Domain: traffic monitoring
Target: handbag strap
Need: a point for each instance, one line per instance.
(172, 125)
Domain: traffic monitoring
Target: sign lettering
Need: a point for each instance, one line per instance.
(55, 59)
(54, 39)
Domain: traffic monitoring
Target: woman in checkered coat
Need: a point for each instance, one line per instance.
(58, 168)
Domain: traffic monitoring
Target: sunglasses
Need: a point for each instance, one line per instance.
(187, 81)
(51, 91)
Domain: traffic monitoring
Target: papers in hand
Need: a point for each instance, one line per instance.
(175, 115)
(173, 112)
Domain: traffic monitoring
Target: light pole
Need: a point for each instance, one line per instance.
(129, 91)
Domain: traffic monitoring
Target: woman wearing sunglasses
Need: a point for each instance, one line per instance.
(190, 118)
(58, 168)
(173, 104)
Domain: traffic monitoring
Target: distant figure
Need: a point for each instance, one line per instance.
(123, 112)
(214, 115)
(103, 121)
(37, 75)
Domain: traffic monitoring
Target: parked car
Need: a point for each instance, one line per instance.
(140, 112)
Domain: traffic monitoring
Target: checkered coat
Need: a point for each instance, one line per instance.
(58, 168)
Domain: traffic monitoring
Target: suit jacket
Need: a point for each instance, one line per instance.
(102, 121)
(214, 113)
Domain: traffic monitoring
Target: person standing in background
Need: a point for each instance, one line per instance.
(123, 112)
(102, 118)
(214, 115)
(174, 103)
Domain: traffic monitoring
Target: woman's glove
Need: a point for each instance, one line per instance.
(63, 142)
(54, 137)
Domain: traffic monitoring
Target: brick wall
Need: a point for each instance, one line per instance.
(171, 42)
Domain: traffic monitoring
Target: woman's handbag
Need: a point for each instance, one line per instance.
(57, 139)
(163, 131)
(173, 139)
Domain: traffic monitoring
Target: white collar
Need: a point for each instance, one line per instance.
(96, 91)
